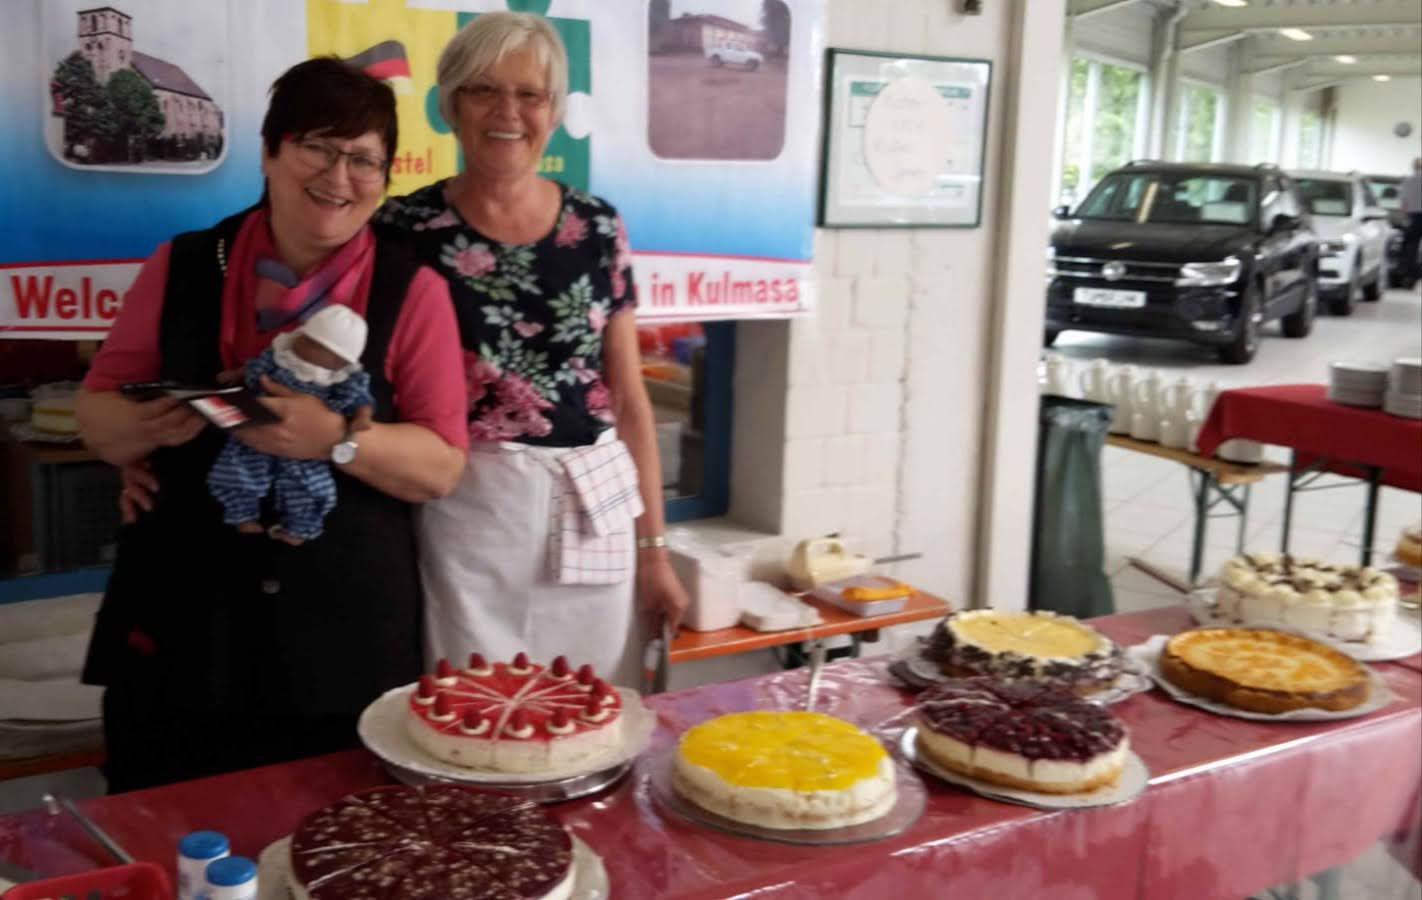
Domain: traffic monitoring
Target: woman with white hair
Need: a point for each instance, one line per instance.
(559, 514)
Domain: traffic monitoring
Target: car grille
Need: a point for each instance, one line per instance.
(1136, 270)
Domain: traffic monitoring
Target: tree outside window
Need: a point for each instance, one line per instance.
(1310, 143)
(1102, 123)
(1075, 120)
(1117, 101)
(1200, 112)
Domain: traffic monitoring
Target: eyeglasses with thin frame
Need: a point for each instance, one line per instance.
(484, 94)
(321, 156)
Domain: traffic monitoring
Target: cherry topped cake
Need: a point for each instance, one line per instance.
(1028, 734)
(1025, 645)
(432, 842)
(517, 716)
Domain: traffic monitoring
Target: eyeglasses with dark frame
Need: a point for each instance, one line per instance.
(485, 94)
(321, 156)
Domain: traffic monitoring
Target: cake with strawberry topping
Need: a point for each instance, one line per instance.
(432, 841)
(518, 716)
(1026, 734)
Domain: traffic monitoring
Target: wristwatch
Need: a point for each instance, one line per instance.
(344, 451)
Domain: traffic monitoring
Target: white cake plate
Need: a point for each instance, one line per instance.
(274, 872)
(1403, 640)
(1134, 778)
(918, 672)
(1379, 695)
(382, 730)
(656, 771)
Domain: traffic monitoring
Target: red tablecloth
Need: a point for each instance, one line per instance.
(1302, 417)
(1233, 806)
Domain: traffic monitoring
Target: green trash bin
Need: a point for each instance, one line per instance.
(1068, 540)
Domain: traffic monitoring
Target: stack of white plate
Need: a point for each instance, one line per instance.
(1357, 383)
(1404, 389)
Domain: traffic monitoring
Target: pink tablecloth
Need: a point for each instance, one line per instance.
(1302, 417)
(1233, 806)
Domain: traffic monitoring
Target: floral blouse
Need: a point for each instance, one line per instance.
(530, 316)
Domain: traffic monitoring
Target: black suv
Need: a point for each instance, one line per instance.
(1202, 252)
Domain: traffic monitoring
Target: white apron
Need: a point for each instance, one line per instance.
(485, 569)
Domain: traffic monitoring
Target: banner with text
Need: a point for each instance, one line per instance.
(124, 125)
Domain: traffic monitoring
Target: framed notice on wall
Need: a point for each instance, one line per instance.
(904, 140)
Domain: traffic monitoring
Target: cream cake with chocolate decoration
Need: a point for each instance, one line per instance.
(433, 842)
(785, 770)
(1025, 645)
(1025, 734)
(518, 717)
(1348, 602)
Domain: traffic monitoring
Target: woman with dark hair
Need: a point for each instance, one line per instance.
(222, 649)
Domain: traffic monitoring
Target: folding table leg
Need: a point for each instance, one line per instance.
(1243, 519)
(1203, 481)
(1370, 513)
(1289, 500)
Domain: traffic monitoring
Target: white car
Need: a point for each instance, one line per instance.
(1352, 234)
(732, 53)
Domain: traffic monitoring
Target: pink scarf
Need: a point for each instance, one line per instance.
(262, 297)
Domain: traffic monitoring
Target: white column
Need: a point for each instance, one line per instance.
(1165, 83)
(1239, 95)
(1009, 452)
(1063, 97)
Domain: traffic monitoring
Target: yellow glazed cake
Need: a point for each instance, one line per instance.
(1025, 645)
(1342, 601)
(785, 770)
(53, 412)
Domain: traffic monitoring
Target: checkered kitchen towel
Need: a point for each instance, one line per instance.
(596, 500)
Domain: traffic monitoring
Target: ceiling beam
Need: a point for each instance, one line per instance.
(1249, 69)
(1276, 50)
(1400, 67)
(1204, 40)
(1078, 10)
(1396, 13)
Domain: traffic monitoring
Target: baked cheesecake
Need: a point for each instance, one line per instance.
(1262, 670)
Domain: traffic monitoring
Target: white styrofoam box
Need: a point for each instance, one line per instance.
(874, 408)
(764, 607)
(712, 577)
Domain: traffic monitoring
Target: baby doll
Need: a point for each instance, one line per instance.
(322, 357)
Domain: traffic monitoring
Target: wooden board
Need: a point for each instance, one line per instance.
(1225, 472)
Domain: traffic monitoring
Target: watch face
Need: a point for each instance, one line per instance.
(343, 452)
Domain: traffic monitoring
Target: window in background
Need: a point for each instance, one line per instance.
(1264, 131)
(1310, 143)
(1104, 127)
(1200, 133)
(687, 368)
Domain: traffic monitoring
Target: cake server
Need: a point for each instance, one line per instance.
(817, 663)
(55, 804)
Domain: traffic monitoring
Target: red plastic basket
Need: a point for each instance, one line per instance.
(134, 881)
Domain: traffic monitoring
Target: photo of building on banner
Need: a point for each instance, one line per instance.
(127, 123)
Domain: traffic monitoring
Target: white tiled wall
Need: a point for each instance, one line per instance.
(882, 388)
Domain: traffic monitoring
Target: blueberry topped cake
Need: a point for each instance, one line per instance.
(1025, 734)
(1025, 645)
(1347, 602)
(432, 841)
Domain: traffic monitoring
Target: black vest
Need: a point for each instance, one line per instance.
(219, 621)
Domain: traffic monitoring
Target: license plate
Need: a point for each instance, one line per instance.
(1107, 297)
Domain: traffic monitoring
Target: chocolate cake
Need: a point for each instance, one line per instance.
(435, 842)
(1025, 645)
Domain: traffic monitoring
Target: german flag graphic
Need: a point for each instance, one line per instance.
(388, 62)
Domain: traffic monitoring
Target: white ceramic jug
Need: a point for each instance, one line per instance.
(1060, 380)
(1119, 385)
(1201, 402)
(1146, 395)
(1092, 380)
(1176, 433)
(1177, 399)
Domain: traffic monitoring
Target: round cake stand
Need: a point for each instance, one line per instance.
(656, 771)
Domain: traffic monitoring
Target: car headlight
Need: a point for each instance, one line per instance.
(1051, 261)
(1210, 274)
